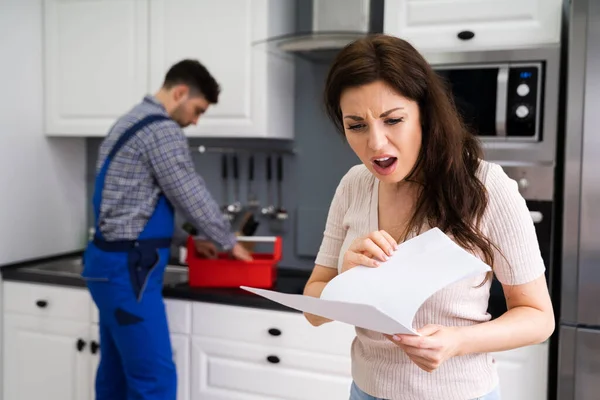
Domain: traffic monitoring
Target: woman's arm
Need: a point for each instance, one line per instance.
(318, 279)
(529, 320)
(520, 269)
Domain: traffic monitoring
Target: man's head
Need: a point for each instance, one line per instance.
(187, 92)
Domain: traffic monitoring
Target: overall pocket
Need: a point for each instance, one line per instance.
(100, 266)
(141, 263)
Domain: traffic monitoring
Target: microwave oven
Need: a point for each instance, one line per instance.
(498, 101)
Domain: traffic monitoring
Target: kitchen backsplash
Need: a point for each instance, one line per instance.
(310, 175)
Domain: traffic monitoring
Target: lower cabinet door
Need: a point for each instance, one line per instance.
(230, 370)
(45, 358)
(181, 355)
(94, 359)
(523, 372)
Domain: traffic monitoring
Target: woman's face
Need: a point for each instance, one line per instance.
(383, 128)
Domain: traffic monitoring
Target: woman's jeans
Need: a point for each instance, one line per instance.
(357, 394)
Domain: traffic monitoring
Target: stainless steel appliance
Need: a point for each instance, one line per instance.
(501, 101)
(325, 26)
(509, 98)
(579, 329)
(536, 185)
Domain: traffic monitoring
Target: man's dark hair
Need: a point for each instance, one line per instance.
(195, 76)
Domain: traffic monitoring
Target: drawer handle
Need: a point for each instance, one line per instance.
(94, 347)
(41, 303)
(466, 35)
(273, 359)
(274, 332)
(80, 344)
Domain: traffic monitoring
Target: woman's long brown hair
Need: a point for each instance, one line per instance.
(452, 198)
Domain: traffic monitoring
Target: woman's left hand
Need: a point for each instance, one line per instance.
(436, 345)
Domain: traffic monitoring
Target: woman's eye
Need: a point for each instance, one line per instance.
(356, 127)
(394, 121)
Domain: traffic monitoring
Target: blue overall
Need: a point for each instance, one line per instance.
(125, 279)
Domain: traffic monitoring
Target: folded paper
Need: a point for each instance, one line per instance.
(385, 299)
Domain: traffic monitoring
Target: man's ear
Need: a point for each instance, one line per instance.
(180, 93)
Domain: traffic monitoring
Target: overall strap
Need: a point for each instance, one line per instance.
(123, 139)
(128, 134)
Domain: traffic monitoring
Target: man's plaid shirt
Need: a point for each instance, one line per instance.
(156, 159)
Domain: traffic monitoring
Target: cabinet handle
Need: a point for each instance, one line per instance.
(80, 344)
(41, 303)
(466, 35)
(94, 347)
(274, 332)
(273, 359)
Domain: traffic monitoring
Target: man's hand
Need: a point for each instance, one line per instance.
(240, 253)
(205, 248)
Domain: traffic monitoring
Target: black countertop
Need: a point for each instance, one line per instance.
(65, 270)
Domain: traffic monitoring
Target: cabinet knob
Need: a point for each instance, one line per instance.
(466, 35)
(274, 332)
(273, 359)
(94, 347)
(41, 303)
(80, 344)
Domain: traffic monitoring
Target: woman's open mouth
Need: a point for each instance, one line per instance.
(385, 165)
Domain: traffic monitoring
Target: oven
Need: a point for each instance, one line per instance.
(536, 184)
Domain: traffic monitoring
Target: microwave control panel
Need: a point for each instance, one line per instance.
(523, 97)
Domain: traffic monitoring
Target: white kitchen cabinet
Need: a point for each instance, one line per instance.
(46, 342)
(257, 88)
(103, 56)
(95, 63)
(221, 352)
(45, 359)
(242, 353)
(94, 359)
(523, 372)
(233, 370)
(51, 342)
(436, 25)
(181, 356)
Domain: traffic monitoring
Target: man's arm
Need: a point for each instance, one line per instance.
(169, 158)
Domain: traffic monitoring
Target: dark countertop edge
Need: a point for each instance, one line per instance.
(234, 297)
(35, 261)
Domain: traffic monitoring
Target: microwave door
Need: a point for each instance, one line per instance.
(480, 95)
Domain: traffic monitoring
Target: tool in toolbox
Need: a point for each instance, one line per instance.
(225, 272)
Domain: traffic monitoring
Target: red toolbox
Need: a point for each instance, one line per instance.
(226, 272)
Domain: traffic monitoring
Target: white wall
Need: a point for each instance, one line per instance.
(42, 181)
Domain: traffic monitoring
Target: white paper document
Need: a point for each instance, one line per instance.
(385, 299)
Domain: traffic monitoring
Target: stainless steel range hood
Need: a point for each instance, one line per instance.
(326, 26)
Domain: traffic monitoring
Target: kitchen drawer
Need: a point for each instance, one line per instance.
(43, 300)
(271, 328)
(232, 370)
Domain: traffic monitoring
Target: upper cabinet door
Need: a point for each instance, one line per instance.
(220, 34)
(96, 63)
(468, 25)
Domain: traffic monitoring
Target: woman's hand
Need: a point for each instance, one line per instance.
(436, 345)
(367, 250)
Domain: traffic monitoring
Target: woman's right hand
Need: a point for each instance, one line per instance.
(369, 250)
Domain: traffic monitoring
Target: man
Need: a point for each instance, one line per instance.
(144, 172)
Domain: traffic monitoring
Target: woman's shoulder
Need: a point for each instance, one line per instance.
(357, 178)
(493, 177)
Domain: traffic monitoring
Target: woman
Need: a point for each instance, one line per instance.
(421, 168)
